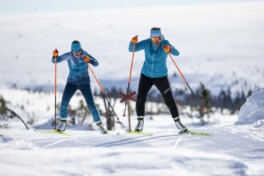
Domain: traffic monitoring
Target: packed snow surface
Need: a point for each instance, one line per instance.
(231, 150)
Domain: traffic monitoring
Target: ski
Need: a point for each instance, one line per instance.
(200, 134)
(142, 133)
(57, 132)
(172, 132)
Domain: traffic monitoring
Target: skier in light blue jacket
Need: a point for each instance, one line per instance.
(155, 72)
(78, 79)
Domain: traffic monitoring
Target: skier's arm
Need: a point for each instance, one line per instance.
(173, 51)
(92, 60)
(60, 58)
(139, 46)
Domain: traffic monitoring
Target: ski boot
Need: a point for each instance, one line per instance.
(101, 128)
(62, 126)
(140, 124)
(179, 125)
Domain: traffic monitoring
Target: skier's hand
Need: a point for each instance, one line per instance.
(55, 53)
(166, 48)
(86, 58)
(134, 40)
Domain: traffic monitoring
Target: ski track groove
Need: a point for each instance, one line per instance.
(111, 140)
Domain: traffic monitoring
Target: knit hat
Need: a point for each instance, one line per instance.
(155, 33)
(76, 45)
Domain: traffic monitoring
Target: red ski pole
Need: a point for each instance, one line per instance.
(129, 78)
(186, 82)
(103, 91)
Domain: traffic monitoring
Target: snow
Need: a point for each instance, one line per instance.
(231, 150)
(253, 110)
(227, 152)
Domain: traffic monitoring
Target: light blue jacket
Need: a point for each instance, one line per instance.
(155, 65)
(78, 67)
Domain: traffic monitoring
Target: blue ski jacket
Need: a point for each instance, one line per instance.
(78, 67)
(155, 64)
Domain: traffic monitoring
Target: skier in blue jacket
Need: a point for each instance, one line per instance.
(155, 72)
(78, 79)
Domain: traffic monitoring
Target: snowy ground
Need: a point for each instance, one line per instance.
(231, 150)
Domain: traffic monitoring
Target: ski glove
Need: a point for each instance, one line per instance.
(86, 58)
(134, 40)
(55, 53)
(166, 48)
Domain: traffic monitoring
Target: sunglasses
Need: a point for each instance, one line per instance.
(76, 51)
(156, 39)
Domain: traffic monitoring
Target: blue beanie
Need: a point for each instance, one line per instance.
(155, 33)
(76, 46)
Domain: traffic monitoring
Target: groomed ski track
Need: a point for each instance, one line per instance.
(231, 148)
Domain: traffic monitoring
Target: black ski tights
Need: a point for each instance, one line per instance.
(163, 85)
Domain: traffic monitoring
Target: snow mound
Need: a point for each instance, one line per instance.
(253, 110)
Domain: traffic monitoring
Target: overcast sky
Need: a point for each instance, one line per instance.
(30, 6)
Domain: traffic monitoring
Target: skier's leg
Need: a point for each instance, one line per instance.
(145, 85)
(164, 87)
(87, 93)
(69, 90)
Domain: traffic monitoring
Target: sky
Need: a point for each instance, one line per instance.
(31, 6)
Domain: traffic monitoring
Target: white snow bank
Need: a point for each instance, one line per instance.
(253, 110)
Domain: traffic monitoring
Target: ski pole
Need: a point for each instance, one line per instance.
(186, 82)
(129, 79)
(55, 89)
(102, 91)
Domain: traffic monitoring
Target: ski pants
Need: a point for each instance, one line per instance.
(163, 85)
(69, 90)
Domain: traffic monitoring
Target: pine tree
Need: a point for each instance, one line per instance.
(205, 97)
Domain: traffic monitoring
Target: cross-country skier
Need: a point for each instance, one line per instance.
(78, 78)
(155, 72)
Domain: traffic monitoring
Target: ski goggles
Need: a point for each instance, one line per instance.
(156, 39)
(76, 51)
